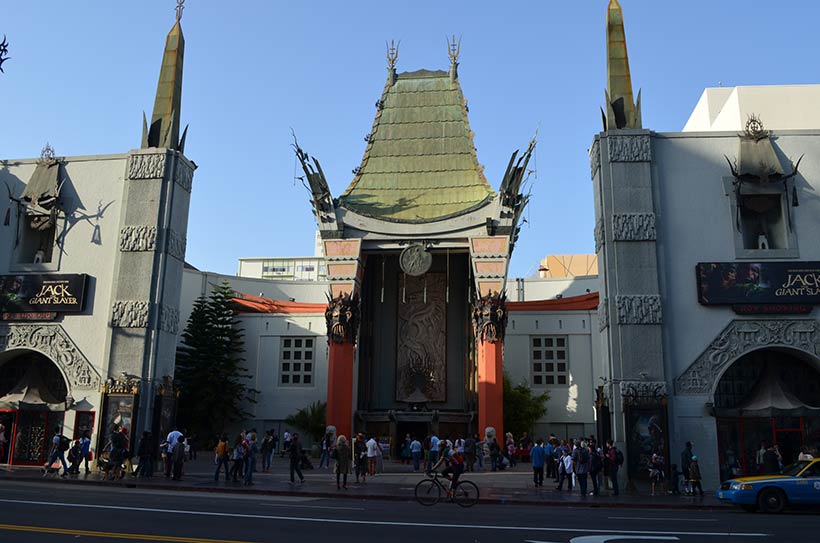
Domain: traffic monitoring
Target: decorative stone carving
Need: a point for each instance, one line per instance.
(633, 227)
(176, 245)
(490, 317)
(342, 318)
(594, 159)
(54, 343)
(415, 260)
(636, 148)
(130, 314)
(603, 314)
(600, 235)
(124, 384)
(643, 392)
(169, 319)
(741, 337)
(146, 166)
(421, 359)
(184, 176)
(138, 238)
(639, 309)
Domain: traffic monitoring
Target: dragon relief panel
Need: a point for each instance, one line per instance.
(421, 361)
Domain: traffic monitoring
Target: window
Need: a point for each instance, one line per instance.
(762, 220)
(550, 364)
(296, 361)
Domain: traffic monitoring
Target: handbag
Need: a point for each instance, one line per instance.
(334, 454)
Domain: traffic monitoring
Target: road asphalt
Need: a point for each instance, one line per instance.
(52, 512)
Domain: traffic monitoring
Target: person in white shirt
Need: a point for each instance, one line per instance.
(565, 471)
(372, 455)
(460, 446)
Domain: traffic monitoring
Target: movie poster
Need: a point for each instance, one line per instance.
(42, 293)
(646, 435)
(729, 283)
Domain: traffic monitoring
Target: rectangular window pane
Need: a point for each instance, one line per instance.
(537, 380)
(537, 367)
(549, 355)
(297, 342)
(560, 342)
(562, 367)
(296, 379)
(536, 342)
(308, 367)
(536, 355)
(285, 355)
(308, 355)
(306, 379)
(286, 366)
(562, 355)
(286, 343)
(550, 380)
(562, 379)
(308, 343)
(297, 366)
(550, 366)
(548, 342)
(285, 378)
(297, 355)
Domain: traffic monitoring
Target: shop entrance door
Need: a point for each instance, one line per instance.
(7, 419)
(32, 436)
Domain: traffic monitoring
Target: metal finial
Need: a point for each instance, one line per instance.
(4, 51)
(180, 7)
(392, 53)
(47, 152)
(454, 48)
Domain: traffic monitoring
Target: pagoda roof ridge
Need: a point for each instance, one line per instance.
(420, 163)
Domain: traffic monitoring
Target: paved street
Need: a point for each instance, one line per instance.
(53, 512)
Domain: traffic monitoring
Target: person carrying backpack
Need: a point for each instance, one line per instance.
(59, 445)
(455, 463)
(616, 460)
(222, 454)
(580, 460)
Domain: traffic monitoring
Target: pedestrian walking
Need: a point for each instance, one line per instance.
(342, 456)
(145, 467)
(616, 460)
(596, 465)
(266, 450)
(324, 459)
(178, 456)
(580, 462)
(694, 477)
(222, 455)
(565, 469)
(549, 459)
(170, 443)
(252, 449)
(372, 455)
(295, 455)
(685, 463)
(286, 440)
(85, 451)
(74, 457)
(415, 450)
(657, 471)
(360, 458)
(432, 456)
(238, 457)
(405, 453)
(480, 451)
(537, 457)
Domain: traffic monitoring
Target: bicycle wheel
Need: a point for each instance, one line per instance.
(428, 492)
(466, 494)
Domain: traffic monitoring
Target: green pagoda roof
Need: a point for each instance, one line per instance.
(420, 164)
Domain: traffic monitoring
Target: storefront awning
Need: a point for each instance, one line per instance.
(769, 398)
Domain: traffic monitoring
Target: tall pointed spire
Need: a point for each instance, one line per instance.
(621, 112)
(164, 128)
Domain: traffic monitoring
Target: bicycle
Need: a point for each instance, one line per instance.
(428, 491)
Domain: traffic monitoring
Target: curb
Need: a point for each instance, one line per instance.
(379, 497)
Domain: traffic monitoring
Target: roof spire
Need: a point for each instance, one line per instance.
(453, 50)
(621, 111)
(392, 56)
(165, 124)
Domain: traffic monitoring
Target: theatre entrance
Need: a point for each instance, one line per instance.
(769, 397)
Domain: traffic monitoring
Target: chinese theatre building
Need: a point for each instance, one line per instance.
(709, 269)
(417, 249)
(91, 260)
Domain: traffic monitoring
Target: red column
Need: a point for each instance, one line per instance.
(340, 387)
(491, 387)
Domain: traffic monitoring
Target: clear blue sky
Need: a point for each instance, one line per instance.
(82, 73)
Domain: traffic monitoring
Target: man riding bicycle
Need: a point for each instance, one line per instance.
(454, 461)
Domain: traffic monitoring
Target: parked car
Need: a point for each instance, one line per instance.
(796, 485)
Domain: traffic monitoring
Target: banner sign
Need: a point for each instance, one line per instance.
(41, 293)
(742, 283)
(30, 316)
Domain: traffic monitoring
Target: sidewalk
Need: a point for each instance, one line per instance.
(397, 483)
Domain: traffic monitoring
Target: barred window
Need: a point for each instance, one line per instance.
(296, 362)
(550, 364)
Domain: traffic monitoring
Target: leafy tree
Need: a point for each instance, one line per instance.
(310, 419)
(521, 407)
(209, 367)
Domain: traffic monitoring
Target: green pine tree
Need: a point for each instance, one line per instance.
(210, 370)
(522, 408)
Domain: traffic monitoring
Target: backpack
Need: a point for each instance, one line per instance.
(619, 458)
(65, 443)
(583, 457)
(596, 464)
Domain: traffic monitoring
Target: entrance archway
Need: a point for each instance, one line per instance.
(33, 394)
(766, 397)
